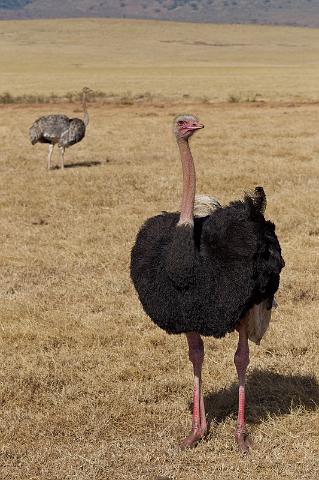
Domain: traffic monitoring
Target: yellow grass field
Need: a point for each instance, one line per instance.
(164, 58)
(90, 388)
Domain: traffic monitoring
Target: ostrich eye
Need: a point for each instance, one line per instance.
(180, 122)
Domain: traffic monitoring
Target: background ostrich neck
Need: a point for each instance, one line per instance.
(189, 183)
(86, 115)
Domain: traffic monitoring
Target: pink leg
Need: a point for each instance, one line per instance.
(199, 423)
(241, 361)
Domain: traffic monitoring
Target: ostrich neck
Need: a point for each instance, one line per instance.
(189, 183)
(86, 115)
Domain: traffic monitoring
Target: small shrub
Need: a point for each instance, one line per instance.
(204, 99)
(232, 98)
(6, 97)
(252, 98)
(126, 99)
(241, 98)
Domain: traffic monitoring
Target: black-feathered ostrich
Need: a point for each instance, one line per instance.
(60, 129)
(208, 270)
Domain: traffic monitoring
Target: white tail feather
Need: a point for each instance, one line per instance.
(205, 205)
(258, 321)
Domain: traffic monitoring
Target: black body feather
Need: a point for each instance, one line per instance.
(204, 279)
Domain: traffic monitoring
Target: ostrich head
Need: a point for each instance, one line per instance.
(87, 90)
(185, 126)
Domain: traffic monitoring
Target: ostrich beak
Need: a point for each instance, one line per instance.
(196, 126)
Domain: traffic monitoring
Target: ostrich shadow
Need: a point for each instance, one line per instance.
(93, 163)
(267, 393)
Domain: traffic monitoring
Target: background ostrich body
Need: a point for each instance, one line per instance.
(206, 279)
(57, 129)
(60, 129)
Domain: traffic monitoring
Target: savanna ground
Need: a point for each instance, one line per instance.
(90, 389)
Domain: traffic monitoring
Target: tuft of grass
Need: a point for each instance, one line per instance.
(8, 98)
(126, 98)
(204, 99)
(95, 96)
(244, 98)
(232, 98)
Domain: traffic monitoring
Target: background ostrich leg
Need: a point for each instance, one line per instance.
(51, 147)
(199, 423)
(62, 157)
(241, 360)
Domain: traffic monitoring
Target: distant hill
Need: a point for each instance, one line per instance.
(277, 12)
(13, 4)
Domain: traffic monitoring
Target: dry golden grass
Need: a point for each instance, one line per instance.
(90, 389)
(164, 58)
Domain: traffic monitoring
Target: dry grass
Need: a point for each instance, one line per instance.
(163, 58)
(90, 388)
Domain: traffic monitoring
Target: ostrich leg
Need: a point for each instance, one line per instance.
(62, 157)
(241, 360)
(51, 147)
(199, 423)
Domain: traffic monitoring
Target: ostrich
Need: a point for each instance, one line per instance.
(61, 130)
(208, 270)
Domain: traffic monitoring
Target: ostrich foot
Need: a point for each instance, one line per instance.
(191, 440)
(243, 441)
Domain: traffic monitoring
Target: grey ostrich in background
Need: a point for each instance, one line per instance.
(60, 130)
(208, 270)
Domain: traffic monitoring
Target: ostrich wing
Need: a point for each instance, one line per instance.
(48, 129)
(243, 247)
(73, 134)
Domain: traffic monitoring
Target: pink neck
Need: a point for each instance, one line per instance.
(189, 183)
